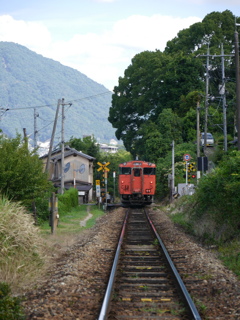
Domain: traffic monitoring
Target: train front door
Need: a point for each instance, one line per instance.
(137, 180)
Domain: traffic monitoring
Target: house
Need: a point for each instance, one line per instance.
(78, 171)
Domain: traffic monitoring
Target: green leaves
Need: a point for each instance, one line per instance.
(21, 172)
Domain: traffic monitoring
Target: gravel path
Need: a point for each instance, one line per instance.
(75, 284)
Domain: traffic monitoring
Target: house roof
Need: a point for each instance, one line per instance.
(67, 152)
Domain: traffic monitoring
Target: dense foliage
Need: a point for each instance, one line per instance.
(174, 80)
(21, 172)
(87, 145)
(218, 191)
(67, 201)
(30, 80)
(10, 307)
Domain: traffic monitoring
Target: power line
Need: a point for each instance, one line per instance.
(70, 101)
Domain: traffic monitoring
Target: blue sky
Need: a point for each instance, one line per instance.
(100, 37)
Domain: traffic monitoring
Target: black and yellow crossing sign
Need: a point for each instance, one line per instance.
(103, 166)
(191, 167)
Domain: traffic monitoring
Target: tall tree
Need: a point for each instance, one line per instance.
(21, 172)
(158, 80)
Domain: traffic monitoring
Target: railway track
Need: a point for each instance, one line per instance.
(144, 283)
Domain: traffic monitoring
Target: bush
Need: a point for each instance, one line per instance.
(67, 201)
(10, 307)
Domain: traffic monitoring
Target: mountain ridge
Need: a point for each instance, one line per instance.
(30, 81)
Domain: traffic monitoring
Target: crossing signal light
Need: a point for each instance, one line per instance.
(193, 176)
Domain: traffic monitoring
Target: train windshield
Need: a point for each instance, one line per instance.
(136, 172)
(149, 171)
(124, 170)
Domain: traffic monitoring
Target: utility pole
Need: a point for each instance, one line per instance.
(52, 137)
(62, 152)
(237, 84)
(63, 146)
(206, 101)
(198, 129)
(35, 128)
(173, 169)
(222, 55)
(222, 92)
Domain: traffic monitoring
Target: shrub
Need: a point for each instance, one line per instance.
(67, 201)
(10, 307)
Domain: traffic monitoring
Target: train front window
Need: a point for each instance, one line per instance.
(149, 171)
(124, 170)
(136, 172)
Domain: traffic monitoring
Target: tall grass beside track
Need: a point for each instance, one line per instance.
(26, 250)
(22, 247)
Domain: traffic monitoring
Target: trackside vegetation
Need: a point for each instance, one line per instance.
(212, 213)
(22, 255)
(25, 247)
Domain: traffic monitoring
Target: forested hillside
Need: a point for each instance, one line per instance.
(29, 80)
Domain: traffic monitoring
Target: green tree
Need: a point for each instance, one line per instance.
(158, 80)
(215, 28)
(154, 81)
(136, 99)
(21, 172)
(87, 145)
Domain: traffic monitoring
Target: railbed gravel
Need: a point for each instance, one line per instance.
(74, 286)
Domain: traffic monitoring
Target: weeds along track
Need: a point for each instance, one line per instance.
(144, 283)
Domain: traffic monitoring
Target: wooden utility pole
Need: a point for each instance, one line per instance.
(222, 92)
(206, 102)
(62, 152)
(237, 86)
(198, 129)
(52, 137)
(63, 146)
(35, 128)
(173, 170)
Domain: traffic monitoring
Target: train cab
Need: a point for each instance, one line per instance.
(137, 182)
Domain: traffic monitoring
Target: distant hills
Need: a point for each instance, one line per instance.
(29, 82)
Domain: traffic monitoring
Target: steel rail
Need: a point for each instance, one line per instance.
(106, 301)
(184, 291)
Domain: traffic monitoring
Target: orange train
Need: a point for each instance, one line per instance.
(137, 182)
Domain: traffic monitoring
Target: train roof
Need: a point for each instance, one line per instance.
(137, 163)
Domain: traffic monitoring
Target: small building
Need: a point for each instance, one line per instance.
(108, 148)
(78, 171)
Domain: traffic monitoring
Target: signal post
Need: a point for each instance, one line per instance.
(103, 167)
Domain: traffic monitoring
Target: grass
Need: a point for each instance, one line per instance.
(22, 248)
(69, 223)
(26, 249)
(230, 255)
(205, 231)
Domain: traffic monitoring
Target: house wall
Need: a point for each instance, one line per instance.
(75, 167)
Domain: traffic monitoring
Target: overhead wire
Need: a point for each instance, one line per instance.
(70, 101)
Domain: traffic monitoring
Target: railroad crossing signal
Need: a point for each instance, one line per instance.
(192, 167)
(103, 166)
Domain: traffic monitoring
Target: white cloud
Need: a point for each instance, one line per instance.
(29, 34)
(103, 56)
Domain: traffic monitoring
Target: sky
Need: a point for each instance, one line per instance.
(100, 37)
